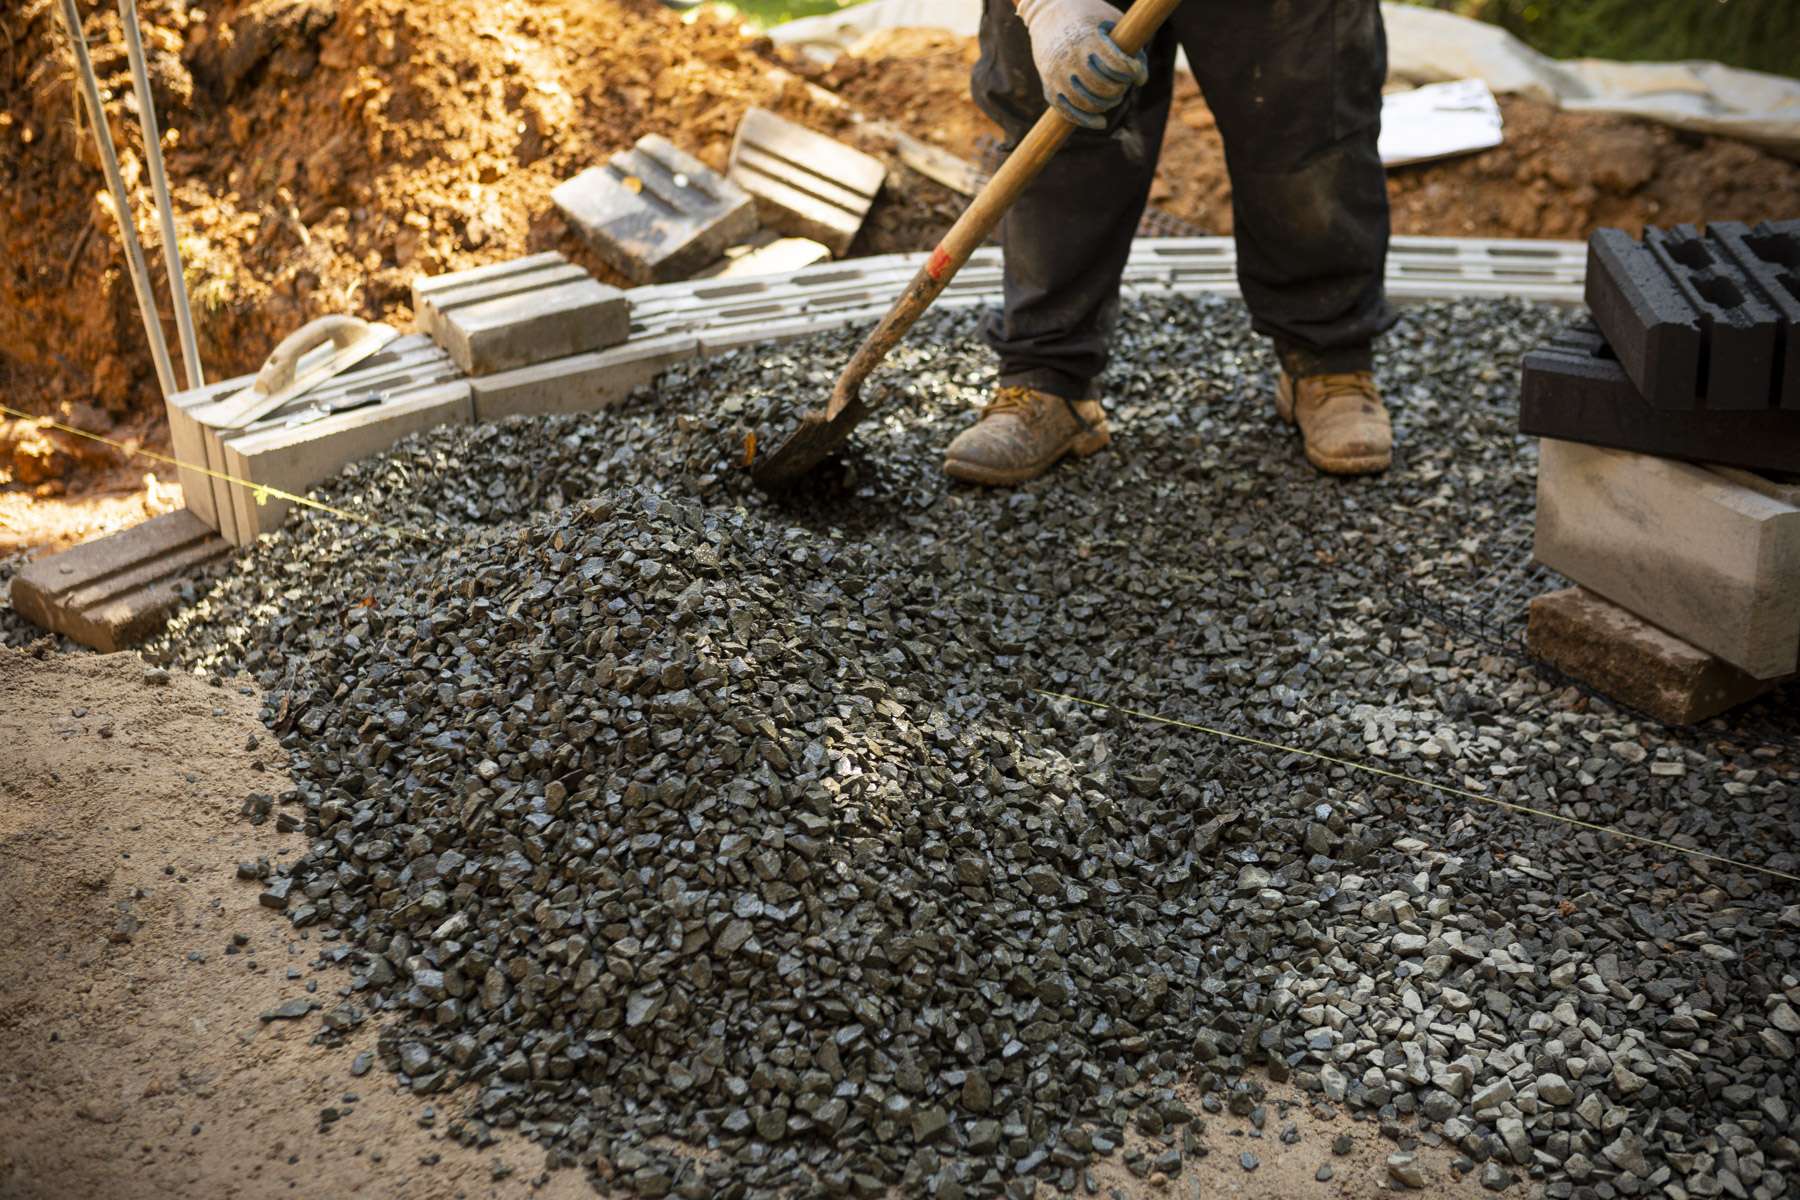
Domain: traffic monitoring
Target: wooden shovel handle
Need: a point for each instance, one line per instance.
(1132, 33)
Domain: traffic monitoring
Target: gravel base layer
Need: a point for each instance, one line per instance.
(650, 813)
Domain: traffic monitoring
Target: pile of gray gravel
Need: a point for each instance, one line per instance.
(648, 810)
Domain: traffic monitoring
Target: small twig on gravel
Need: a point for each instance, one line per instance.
(81, 241)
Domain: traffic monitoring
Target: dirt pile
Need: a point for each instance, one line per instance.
(322, 152)
(1559, 174)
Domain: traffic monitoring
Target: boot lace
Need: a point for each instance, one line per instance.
(1347, 383)
(1018, 400)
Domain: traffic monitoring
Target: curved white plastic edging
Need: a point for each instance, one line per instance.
(725, 314)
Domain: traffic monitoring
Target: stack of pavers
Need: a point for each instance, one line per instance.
(539, 335)
(1669, 479)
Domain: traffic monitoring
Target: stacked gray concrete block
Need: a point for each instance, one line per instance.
(114, 592)
(508, 315)
(1575, 389)
(655, 213)
(559, 356)
(408, 387)
(805, 183)
(1699, 553)
(1703, 320)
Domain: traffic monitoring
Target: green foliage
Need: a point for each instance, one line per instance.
(1763, 35)
(766, 14)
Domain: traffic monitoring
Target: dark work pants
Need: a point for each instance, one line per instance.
(1295, 86)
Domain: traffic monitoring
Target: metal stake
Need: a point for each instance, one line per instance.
(109, 159)
(159, 184)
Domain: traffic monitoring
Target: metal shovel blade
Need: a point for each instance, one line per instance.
(815, 439)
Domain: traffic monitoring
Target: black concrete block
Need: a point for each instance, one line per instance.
(1702, 321)
(1575, 389)
(1770, 256)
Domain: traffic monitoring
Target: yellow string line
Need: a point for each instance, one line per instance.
(1466, 793)
(259, 491)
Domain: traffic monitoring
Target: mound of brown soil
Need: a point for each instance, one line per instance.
(1558, 175)
(322, 153)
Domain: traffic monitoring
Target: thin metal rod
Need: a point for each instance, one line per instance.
(159, 184)
(109, 159)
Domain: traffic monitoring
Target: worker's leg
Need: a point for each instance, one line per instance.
(1067, 237)
(1296, 89)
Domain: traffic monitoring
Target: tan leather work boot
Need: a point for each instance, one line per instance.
(1021, 434)
(1342, 419)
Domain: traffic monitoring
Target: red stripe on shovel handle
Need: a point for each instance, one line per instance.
(938, 263)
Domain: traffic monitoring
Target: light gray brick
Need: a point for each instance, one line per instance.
(656, 213)
(1686, 548)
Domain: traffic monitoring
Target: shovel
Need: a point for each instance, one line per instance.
(822, 431)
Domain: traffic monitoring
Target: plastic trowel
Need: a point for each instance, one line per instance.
(306, 358)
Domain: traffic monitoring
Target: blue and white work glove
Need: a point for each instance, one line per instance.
(1083, 70)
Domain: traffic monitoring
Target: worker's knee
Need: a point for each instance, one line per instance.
(1290, 82)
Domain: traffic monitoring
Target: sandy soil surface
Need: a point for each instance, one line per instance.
(136, 969)
(106, 502)
(133, 1053)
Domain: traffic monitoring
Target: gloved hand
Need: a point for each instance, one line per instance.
(1083, 70)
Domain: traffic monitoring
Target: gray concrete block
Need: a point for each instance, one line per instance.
(581, 382)
(655, 213)
(1706, 558)
(114, 592)
(723, 339)
(804, 182)
(436, 300)
(293, 458)
(1632, 661)
(510, 331)
(426, 287)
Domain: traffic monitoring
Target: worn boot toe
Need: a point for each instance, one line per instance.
(1342, 420)
(1022, 433)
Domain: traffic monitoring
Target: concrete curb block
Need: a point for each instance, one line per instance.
(1634, 662)
(1692, 550)
(843, 293)
(113, 592)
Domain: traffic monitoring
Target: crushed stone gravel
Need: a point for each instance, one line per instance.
(647, 809)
